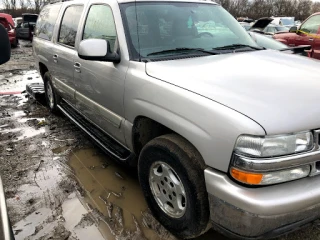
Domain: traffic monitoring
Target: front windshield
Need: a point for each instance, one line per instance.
(161, 26)
(287, 21)
(282, 29)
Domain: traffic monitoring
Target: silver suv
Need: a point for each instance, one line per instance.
(223, 133)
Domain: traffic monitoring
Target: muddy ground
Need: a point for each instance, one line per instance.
(60, 186)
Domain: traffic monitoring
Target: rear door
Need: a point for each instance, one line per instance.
(43, 45)
(64, 52)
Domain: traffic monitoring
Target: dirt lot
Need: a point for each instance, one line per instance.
(57, 184)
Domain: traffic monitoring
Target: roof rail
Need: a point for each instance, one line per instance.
(56, 1)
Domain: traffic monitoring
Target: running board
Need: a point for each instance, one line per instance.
(108, 144)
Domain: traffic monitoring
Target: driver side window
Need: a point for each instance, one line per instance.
(311, 25)
(100, 25)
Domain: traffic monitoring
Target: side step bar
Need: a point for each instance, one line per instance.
(108, 144)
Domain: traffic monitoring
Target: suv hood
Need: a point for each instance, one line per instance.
(279, 91)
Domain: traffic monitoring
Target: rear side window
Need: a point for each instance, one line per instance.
(46, 22)
(100, 24)
(69, 25)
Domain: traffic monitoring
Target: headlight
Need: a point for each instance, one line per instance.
(269, 146)
(270, 177)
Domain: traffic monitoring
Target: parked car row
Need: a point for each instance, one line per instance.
(306, 36)
(308, 33)
(19, 28)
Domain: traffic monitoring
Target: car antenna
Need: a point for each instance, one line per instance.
(135, 5)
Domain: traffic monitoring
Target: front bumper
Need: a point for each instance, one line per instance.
(265, 212)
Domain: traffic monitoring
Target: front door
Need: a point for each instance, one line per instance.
(316, 46)
(64, 53)
(100, 85)
(308, 34)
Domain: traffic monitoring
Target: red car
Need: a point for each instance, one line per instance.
(7, 21)
(307, 34)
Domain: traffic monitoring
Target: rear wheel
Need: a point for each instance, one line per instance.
(51, 97)
(171, 174)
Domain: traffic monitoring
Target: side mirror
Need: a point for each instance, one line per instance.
(293, 29)
(5, 47)
(97, 50)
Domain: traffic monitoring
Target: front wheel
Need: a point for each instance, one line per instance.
(171, 174)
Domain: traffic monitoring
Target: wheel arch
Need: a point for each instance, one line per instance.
(146, 129)
(43, 69)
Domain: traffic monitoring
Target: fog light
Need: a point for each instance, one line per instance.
(270, 177)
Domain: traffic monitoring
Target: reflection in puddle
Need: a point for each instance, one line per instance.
(18, 82)
(115, 198)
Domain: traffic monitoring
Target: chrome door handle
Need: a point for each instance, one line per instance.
(55, 58)
(77, 67)
(311, 39)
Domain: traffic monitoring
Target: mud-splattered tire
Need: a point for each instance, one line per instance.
(171, 174)
(51, 97)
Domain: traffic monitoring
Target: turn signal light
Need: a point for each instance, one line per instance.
(246, 177)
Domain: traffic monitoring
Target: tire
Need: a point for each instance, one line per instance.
(51, 97)
(185, 166)
(15, 44)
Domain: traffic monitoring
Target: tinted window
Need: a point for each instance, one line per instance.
(46, 22)
(311, 25)
(69, 25)
(100, 25)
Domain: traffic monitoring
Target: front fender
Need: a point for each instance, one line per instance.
(210, 126)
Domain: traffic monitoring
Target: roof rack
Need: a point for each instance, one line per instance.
(56, 1)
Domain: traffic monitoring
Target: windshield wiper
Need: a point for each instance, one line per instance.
(236, 46)
(179, 50)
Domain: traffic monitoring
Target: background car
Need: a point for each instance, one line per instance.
(284, 21)
(269, 43)
(245, 25)
(26, 27)
(307, 34)
(7, 21)
(271, 29)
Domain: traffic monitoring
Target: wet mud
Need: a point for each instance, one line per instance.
(60, 186)
(114, 196)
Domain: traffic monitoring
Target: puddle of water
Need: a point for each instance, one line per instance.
(18, 114)
(102, 185)
(26, 132)
(73, 211)
(27, 226)
(107, 184)
(18, 82)
(44, 180)
(23, 120)
(31, 132)
(59, 150)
